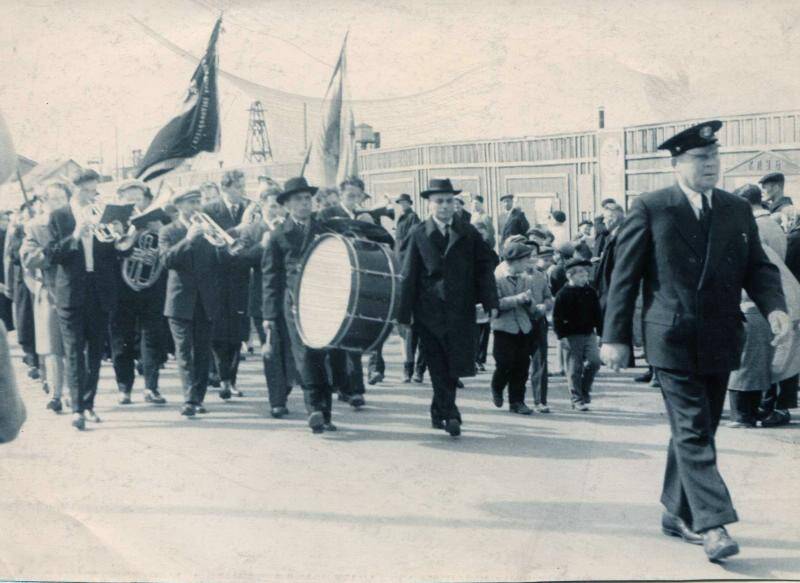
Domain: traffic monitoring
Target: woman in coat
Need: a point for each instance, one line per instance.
(49, 345)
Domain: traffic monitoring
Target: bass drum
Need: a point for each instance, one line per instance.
(347, 294)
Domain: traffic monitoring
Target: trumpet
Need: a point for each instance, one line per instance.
(215, 234)
(102, 231)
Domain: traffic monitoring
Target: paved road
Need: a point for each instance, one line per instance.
(238, 496)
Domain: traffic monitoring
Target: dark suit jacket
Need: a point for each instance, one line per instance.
(405, 223)
(516, 224)
(71, 279)
(691, 291)
(234, 274)
(193, 272)
(604, 269)
(441, 287)
(280, 266)
(793, 252)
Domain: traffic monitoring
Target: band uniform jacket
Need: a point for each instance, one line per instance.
(66, 252)
(441, 287)
(281, 264)
(691, 288)
(193, 272)
(233, 324)
(516, 224)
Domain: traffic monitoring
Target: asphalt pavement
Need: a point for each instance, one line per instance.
(235, 495)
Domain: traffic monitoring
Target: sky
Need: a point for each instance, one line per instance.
(83, 79)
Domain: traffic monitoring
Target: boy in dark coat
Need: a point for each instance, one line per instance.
(576, 319)
(446, 272)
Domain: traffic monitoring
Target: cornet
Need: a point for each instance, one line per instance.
(215, 234)
(102, 231)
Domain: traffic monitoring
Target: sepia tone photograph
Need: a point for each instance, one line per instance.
(412, 291)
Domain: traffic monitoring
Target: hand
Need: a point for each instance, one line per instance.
(781, 326)
(494, 313)
(615, 355)
(116, 227)
(195, 231)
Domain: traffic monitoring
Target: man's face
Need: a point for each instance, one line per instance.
(508, 203)
(56, 198)
(772, 190)
(235, 190)
(611, 218)
(586, 229)
(477, 205)
(699, 167)
(544, 262)
(189, 207)
(517, 266)
(88, 189)
(442, 206)
(404, 206)
(135, 196)
(209, 193)
(272, 208)
(352, 197)
(299, 205)
(578, 276)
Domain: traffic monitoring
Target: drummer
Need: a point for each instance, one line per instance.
(280, 269)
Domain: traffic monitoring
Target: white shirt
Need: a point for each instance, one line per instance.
(441, 225)
(81, 214)
(694, 198)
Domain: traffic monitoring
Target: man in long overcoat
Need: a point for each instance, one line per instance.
(693, 248)
(446, 272)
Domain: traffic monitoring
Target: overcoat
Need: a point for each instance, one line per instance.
(441, 287)
(193, 272)
(516, 224)
(232, 324)
(691, 283)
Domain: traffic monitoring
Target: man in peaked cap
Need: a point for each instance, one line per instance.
(776, 201)
(693, 248)
(447, 271)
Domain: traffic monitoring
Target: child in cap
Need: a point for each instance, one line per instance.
(576, 319)
(512, 328)
(542, 300)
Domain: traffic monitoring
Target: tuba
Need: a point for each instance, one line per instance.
(142, 268)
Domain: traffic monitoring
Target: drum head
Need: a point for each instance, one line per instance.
(324, 294)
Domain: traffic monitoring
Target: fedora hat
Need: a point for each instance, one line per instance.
(404, 198)
(439, 186)
(295, 185)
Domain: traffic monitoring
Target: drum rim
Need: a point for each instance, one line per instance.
(390, 321)
(348, 320)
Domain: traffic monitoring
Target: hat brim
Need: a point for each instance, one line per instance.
(284, 196)
(427, 193)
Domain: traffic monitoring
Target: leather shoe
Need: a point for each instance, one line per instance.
(357, 401)
(125, 399)
(316, 421)
(672, 525)
(153, 396)
(459, 384)
(437, 423)
(776, 419)
(329, 426)
(225, 394)
(188, 410)
(406, 379)
(340, 396)
(718, 544)
(418, 377)
(94, 417)
(497, 398)
(375, 378)
(278, 412)
(54, 405)
(78, 421)
(644, 378)
(214, 381)
(520, 408)
(741, 424)
(236, 392)
(200, 409)
(453, 427)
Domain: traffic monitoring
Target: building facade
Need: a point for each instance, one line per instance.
(574, 172)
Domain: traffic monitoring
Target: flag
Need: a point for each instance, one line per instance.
(321, 166)
(8, 157)
(196, 129)
(348, 163)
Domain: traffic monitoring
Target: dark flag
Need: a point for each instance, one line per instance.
(196, 129)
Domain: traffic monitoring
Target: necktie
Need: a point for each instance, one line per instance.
(234, 211)
(705, 213)
(446, 235)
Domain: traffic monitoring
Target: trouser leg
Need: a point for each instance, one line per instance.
(744, 405)
(787, 393)
(73, 337)
(201, 347)
(226, 357)
(443, 405)
(184, 354)
(310, 366)
(151, 348)
(279, 367)
(484, 332)
(572, 349)
(591, 363)
(693, 486)
(96, 337)
(376, 363)
(123, 345)
(503, 352)
(519, 372)
(539, 349)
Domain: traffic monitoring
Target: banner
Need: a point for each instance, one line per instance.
(197, 128)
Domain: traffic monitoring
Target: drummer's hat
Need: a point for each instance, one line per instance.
(295, 185)
(439, 186)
